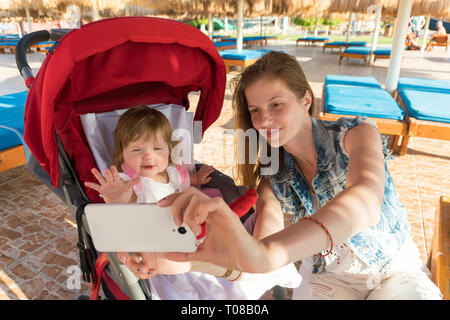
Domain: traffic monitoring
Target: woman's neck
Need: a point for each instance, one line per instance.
(303, 149)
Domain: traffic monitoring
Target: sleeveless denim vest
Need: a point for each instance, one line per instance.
(377, 245)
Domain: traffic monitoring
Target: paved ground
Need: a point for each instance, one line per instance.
(38, 235)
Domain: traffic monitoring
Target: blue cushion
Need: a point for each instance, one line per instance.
(357, 43)
(427, 105)
(9, 43)
(336, 43)
(224, 43)
(382, 51)
(364, 101)
(243, 39)
(352, 81)
(358, 50)
(314, 38)
(423, 84)
(12, 107)
(252, 38)
(246, 54)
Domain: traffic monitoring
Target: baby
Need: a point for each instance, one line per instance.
(142, 149)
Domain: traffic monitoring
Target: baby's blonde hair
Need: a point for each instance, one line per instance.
(140, 122)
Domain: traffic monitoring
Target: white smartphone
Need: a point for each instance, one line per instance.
(137, 228)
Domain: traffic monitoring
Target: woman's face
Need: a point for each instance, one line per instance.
(275, 111)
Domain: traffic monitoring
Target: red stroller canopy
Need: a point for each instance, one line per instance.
(112, 64)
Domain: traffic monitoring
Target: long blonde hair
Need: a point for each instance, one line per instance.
(275, 65)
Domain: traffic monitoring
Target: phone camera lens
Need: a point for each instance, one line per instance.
(182, 230)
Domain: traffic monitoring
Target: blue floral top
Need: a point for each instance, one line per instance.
(378, 244)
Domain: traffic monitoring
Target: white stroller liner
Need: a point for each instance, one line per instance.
(99, 130)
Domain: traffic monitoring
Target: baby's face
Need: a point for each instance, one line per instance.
(147, 157)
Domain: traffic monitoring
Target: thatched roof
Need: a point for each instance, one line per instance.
(252, 8)
(436, 8)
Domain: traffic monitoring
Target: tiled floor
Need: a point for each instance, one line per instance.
(38, 258)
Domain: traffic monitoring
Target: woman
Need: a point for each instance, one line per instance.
(356, 245)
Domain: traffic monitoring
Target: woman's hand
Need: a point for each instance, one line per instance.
(226, 243)
(111, 186)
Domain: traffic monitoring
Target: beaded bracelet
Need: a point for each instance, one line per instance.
(324, 229)
(227, 273)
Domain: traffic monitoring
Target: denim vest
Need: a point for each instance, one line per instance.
(377, 245)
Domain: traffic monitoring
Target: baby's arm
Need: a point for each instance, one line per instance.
(202, 175)
(112, 187)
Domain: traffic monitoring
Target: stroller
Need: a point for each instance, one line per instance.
(105, 66)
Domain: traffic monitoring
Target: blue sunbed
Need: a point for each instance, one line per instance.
(381, 53)
(356, 43)
(243, 59)
(312, 40)
(12, 107)
(352, 96)
(358, 100)
(423, 84)
(428, 105)
(248, 41)
(352, 81)
(358, 52)
(343, 44)
(225, 45)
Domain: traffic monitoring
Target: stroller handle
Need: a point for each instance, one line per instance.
(26, 42)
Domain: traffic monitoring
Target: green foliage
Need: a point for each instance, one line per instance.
(330, 22)
(197, 23)
(304, 22)
(310, 22)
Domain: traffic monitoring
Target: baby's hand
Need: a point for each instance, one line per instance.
(203, 174)
(147, 264)
(112, 187)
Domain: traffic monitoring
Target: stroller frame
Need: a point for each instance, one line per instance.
(68, 187)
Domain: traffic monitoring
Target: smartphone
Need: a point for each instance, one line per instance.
(137, 228)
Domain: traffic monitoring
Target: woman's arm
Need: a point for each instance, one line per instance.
(353, 210)
(268, 209)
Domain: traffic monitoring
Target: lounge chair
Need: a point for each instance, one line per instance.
(312, 40)
(225, 45)
(361, 52)
(248, 41)
(357, 52)
(349, 96)
(8, 45)
(439, 257)
(356, 44)
(438, 40)
(333, 45)
(427, 103)
(381, 53)
(266, 38)
(43, 46)
(342, 44)
(243, 59)
(12, 151)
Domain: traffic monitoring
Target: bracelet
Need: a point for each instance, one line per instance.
(227, 273)
(326, 231)
(238, 277)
